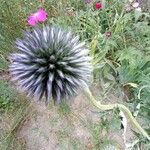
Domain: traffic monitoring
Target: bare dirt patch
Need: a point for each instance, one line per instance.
(4, 75)
(70, 126)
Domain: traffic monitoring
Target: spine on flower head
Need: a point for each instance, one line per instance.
(51, 63)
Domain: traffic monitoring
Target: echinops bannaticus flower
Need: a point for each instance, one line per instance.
(51, 62)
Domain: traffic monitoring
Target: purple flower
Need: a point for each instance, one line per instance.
(87, 1)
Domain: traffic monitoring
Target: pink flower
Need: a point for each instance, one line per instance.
(32, 20)
(39, 16)
(135, 4)
(98, 5)
(108, 34)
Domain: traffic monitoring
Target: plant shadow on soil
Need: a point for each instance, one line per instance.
(72, 125)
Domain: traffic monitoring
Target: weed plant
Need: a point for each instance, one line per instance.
(13, 110)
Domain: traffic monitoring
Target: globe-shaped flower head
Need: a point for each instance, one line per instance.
(51, 62)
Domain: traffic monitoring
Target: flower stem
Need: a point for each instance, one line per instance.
(121, 107)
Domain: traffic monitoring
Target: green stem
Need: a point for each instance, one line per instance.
(122, 108)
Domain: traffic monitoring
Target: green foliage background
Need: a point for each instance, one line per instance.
(121, 62)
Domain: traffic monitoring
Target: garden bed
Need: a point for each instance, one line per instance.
(112, 68)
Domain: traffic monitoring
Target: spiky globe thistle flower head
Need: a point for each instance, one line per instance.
(51, 63)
